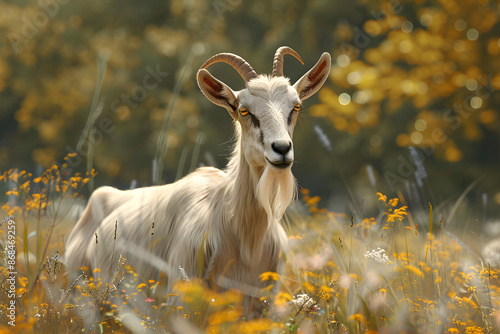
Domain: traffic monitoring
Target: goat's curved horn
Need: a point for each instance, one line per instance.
(278, 59)
(239, 64)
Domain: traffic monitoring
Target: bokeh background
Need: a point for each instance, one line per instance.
(423, 73)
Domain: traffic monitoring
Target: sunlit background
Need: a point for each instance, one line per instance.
(418, 73)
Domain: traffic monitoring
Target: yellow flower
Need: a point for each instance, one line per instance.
(70, 155)
(381, 197)
(259, 326)
(415, 270)
(25, 186)
(358, 317)
(75, 178)
(313, 200)
(303, 191)
(394, 202)
(13, 176)
(473, 330)
(308, 286)
(269, 275)
(369, 222)
(227, 315)
(398, 214)
(282, 298)
(12, 192)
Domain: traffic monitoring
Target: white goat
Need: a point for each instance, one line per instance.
(235, 214)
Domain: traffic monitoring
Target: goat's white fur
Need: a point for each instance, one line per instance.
(237, 211)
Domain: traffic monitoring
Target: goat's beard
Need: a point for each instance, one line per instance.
(275, 192)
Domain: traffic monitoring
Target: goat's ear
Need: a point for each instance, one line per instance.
(312, 81)
(217, 91)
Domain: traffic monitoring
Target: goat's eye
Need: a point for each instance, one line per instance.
(244, 111)
(297, 107)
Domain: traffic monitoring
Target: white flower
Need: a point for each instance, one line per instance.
(377, 255)
(184, 276)
(303, 301)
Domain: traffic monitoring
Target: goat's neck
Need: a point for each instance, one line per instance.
(247, 212)
(253, 206)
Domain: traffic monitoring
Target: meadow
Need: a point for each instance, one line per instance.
(377, 242)
(380, 269)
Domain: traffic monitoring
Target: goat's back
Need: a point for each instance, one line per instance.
(150, 223)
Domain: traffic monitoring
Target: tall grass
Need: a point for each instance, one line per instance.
(379, 273)
(88, 133)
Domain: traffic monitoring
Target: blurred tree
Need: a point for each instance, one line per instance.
(422, 74)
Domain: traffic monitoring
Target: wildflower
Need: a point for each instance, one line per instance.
(393, 202)
(358, 317)
(313, 200)
(308, 286)
(398, 214)
(302, 301)
(473, 330)
(269, 275)
(415, 270)
(227, 315)
(368, 222)
(259, 326)
(381, 197)
(282, 298)
(184, 276)
(377, 255)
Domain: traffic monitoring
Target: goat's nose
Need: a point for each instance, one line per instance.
(281, 147)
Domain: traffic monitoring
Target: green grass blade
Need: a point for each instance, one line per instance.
(200, 255)
(182, 162)
(161, 149)
(196, 151)
(94, 109)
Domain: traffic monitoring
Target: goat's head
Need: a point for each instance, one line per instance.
(267, 108)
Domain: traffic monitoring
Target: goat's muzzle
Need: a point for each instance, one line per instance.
(282, 155)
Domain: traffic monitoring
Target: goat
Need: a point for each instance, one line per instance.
(233, 214)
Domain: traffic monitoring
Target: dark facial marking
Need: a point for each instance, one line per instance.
(290, 117)
(255, 121)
